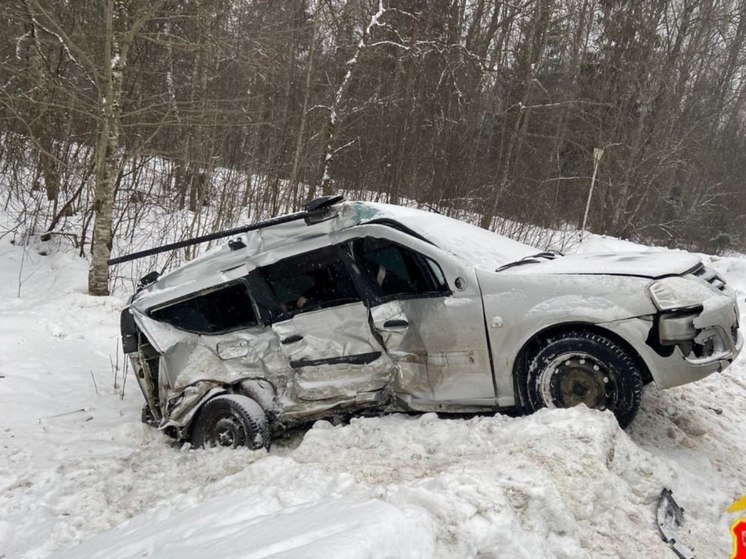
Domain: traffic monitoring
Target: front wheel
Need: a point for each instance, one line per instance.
(580, 367)
(231, 420)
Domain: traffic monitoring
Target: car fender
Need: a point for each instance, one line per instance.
(183, 407)
(518, 309)
(517, 341)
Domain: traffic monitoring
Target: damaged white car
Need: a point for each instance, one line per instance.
(352, 306)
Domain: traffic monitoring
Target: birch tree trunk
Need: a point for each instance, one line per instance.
(331, 125)
(119, 35)
(293, 182)
(107, 157)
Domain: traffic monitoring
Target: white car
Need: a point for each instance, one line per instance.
(353, 306)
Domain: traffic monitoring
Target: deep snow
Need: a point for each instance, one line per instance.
(81, 477)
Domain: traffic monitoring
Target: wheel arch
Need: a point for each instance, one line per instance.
(531, 346)
(258, 388)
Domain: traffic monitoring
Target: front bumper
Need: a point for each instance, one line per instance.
(718, 343)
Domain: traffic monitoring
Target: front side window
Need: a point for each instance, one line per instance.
(394, 270)
(221, 309)
(316, 279)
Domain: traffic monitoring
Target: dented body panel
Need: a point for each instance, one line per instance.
(386, 308)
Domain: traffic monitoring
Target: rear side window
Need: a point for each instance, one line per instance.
(219, 310)
(396, 270)
(316, 279)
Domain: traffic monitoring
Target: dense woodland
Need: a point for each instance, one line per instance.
(486, 106)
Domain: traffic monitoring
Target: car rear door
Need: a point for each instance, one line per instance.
(323, 328)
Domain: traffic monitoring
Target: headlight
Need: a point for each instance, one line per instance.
(677, 293)
(663, 296)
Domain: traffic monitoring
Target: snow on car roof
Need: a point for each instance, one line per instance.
(476, 246)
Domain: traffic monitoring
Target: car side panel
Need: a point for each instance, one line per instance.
(518, 307)
(333, 353)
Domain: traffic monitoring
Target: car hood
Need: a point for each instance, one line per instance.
(642, 264)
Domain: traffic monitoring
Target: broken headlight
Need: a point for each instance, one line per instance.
(680, 301)
(677, 293)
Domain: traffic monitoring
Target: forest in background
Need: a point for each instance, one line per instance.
(481, 106)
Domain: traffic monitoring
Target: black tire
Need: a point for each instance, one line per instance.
(231, 420)
(577, 366)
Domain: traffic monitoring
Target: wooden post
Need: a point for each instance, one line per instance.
(597, 154)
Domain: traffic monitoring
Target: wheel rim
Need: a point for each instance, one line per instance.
(577, 378)
(228, 432)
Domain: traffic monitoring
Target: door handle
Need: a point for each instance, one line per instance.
(292, 339)
(396, 323)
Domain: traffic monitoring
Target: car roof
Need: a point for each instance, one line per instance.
(473, 245)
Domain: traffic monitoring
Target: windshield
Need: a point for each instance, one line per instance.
(473, 244)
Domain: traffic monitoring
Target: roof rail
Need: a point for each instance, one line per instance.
(323, 203)
(313, 209)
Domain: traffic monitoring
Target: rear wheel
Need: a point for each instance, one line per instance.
(231, 420)
(580, 367)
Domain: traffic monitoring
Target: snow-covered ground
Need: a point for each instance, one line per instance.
(81, 477)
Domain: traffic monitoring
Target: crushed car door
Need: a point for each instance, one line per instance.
(427, 308)
(323, 329)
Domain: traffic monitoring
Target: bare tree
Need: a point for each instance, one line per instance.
(215, 109)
